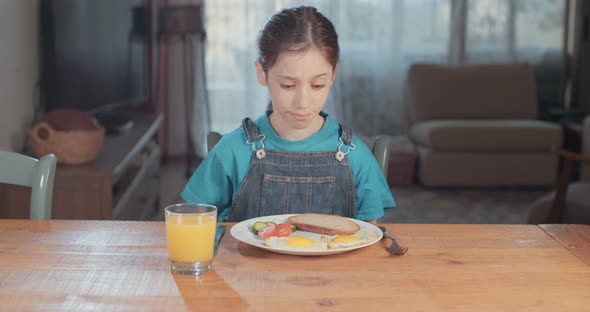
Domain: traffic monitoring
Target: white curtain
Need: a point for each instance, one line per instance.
(379, 40)
(234, 92)
(526, 31)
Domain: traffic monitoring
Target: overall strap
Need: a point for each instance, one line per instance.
(345, 134)
(345, 139)
(253, 135)
(251, 129)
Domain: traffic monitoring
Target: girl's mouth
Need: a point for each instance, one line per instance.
(301, 117)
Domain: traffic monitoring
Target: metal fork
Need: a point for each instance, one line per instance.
(395, 248)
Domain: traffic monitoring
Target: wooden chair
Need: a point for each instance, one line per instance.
(38, 174)
(570, 203)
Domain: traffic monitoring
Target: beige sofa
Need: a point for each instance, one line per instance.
(477, 126)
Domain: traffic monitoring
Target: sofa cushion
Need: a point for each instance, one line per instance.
(494, 91)
(487, 135)
(471, 169)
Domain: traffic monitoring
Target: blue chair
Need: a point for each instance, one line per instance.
(38, 174)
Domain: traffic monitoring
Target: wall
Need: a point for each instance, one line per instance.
(18, 70)
(19, 74)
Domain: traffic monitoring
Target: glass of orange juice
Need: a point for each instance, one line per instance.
(190, 234)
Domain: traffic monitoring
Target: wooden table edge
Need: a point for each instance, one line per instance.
(546, 229)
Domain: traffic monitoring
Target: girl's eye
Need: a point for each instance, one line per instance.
(287, 86)
(318, 86)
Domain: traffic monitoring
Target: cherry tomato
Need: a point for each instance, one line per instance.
(283, 230)
(267, 231)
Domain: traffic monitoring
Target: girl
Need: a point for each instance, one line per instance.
(294, 158)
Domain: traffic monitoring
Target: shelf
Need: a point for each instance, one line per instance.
(139, 174)
(122, 183)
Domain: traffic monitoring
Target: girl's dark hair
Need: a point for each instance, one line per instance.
(295, 30)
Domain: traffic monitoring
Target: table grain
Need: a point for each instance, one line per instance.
(574, 237)
(72, 265)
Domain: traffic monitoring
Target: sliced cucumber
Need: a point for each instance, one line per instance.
(258, 226)
(293, 228)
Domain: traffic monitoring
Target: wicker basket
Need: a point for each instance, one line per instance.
(70, 147)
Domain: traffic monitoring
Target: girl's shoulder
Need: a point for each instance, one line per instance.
(362, 143)
(235, 135)
(362, 156)
(231, 141)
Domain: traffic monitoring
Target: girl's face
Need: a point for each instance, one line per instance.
(299, 85)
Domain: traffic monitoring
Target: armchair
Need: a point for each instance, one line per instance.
(477, 126)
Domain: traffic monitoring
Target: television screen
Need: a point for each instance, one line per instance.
(93, 54)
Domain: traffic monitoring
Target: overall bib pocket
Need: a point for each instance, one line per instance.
(297, 194)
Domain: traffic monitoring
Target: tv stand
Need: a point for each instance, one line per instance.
(121, 184)
(115, 123)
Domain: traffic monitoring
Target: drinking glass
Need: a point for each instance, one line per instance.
(190, 235)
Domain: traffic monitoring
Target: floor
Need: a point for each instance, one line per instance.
(415, 204)
(171, 184)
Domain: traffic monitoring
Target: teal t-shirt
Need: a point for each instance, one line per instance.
(217, 179)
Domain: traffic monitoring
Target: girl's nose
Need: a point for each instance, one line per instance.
(302, 98)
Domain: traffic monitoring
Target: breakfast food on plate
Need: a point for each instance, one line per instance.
(324, 224)
(268, 229)
(257, 226)
(344, 241)
(318, 232)
(296, 242)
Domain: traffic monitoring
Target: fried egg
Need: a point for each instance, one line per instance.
(295, 242)
(344, 241)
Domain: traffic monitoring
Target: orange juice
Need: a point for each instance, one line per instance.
(190, 238)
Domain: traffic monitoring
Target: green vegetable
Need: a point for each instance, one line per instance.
(258, 226)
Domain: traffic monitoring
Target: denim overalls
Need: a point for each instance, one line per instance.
(281, 182)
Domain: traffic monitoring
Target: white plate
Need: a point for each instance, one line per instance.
(243, 232)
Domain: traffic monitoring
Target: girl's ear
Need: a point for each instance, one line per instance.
(260, 74)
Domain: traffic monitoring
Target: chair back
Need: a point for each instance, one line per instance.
(37, 174)
(212, 139)
(491, 91)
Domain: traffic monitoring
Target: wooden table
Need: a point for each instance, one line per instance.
(574, 237)
(123, 265)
